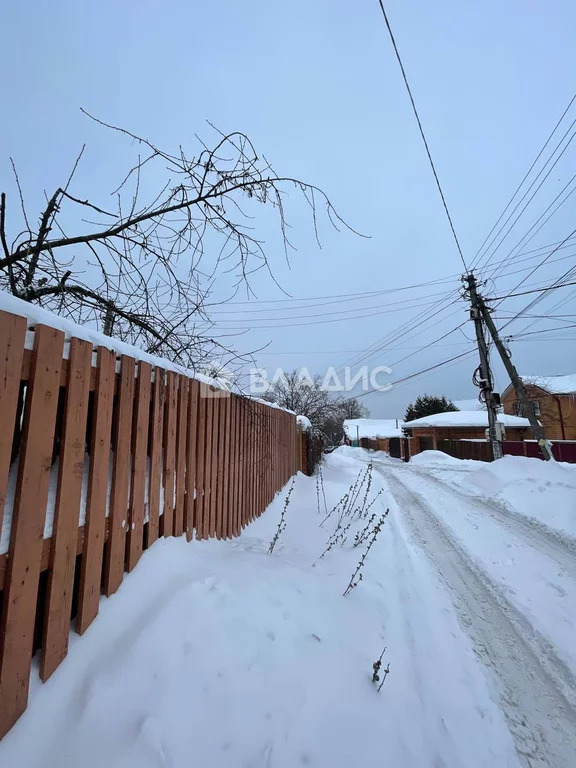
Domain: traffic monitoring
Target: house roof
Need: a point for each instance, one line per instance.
(465, 419)
(372, 428)
(555, 385)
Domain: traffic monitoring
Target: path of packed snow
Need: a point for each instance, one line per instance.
(218, 654)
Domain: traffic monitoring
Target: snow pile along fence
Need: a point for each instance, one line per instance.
(100, 455)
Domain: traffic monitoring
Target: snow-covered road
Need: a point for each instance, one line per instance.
(220, 654)
(512, 583)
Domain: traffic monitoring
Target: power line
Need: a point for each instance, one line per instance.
(369, 294)
(529, 201)
(406, 83)
(510, 254)
(420, 373)
(525, 293)
(544, 260)
(528, 172)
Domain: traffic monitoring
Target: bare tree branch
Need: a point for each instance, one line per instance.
(147, 270)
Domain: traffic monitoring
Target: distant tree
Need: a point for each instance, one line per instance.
(426, 405)
(304, 395)
(333, 426)
(352, 409)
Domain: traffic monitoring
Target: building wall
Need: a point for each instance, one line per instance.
(555, 411)
(422, 435)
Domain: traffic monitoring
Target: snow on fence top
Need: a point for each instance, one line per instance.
(465, 419)
(304, 423)
(356, 429)
(37, 315)
(555, 385)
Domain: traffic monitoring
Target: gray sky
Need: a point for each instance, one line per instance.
(316, 87)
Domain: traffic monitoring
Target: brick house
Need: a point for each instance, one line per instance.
(553, 399)
(427, 431)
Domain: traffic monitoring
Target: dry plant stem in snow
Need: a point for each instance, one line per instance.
(356, 577)
(282, 523)
(363, 534)
(322, 489)
(376, 671)
(343, 501)
(368, 475)
(372, 503)
(339, 535)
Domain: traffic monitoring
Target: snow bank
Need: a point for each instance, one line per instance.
(217, 654)
(433, 457)
(543, 490)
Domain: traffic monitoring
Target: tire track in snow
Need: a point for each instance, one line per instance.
(558, 547)
(540, 716)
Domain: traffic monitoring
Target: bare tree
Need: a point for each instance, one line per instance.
(333, 426)
(145, 270)
(304, 395)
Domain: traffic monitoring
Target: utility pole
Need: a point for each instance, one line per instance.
(521, 394)
(487, 395)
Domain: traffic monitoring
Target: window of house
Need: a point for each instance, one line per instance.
(535, 408)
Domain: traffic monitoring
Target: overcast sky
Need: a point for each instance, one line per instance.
(317, 88)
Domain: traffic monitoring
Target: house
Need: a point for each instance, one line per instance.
(553, 399)
(377, 434)
(427, 431)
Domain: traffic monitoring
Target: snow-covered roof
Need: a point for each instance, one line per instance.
(556, 385)
(372, 428)
(469, 405)
(465, 419)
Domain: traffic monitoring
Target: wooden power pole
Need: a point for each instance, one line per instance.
(486, 384)
(479, 304)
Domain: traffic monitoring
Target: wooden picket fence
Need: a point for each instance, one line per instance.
(129, 452)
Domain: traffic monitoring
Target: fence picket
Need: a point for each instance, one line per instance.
(155, 452)
(181, 455)
(96, 497)
(191, 460)
(221, 452)
(114, 553)
(208, 466)
(214, 468)
(170, 414)
(66, 514)
(26, 535)
(12, 336)
(201, 437)
(135, 542)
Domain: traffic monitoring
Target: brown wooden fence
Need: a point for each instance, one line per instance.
(114, 453)
(481, 450)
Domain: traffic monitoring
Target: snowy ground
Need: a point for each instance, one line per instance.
(219, 654)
